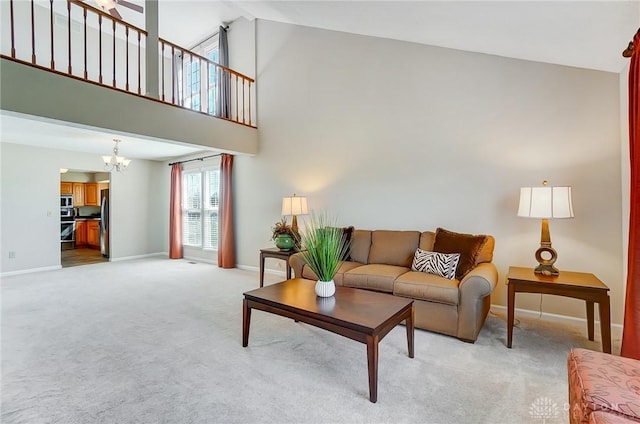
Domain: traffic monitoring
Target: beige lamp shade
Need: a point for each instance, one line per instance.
(294, 205)
(545, 202)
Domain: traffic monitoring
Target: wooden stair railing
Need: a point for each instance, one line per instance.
(72, 38)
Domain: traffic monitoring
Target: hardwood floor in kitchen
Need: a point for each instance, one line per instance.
(81, 256)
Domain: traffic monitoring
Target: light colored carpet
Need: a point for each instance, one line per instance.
(160, 341)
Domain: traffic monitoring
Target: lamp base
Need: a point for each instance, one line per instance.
(546, 270)
(546, 265)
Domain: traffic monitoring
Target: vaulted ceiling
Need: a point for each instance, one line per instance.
(586, 34)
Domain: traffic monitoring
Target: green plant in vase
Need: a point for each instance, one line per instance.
(324, 247)
(283, 235)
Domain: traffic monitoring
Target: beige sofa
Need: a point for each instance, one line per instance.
(381, 260)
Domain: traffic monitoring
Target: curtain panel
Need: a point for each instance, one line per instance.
(226, 240)
(223, 98)
(631, 329)
(175, 213)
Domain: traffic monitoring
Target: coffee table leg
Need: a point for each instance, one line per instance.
(246, 321)
(511, 302)
(372, 360)
(410, 333)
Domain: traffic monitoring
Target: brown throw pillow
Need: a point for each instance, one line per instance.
(347, 232)
(467, 245)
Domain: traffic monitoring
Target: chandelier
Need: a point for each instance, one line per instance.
(119, 163)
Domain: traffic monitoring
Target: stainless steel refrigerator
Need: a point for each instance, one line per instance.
(104, 222)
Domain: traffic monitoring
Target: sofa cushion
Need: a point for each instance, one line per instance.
(373, 276)
(426, 240)
(360, 246)
(442, 264)
(344, 267)
(423, 286)
(486, 252)
(468, 246)
(393, 247)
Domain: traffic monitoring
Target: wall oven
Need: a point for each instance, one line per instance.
(66, 201)
(67, 232)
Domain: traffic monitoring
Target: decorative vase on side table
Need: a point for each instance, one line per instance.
(284, 242)
(283, 235)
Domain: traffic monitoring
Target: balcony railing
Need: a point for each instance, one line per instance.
(75, 39)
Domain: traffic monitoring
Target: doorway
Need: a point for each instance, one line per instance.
(82, 213)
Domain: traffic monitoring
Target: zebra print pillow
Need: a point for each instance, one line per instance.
(442, 264)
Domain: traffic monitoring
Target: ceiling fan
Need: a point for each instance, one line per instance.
(110, 5)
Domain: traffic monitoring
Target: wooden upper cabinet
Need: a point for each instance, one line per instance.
(66, 187)
(91, 194)
(78, 194)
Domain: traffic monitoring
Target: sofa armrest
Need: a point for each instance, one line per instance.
(297, 263)
(475, 289)
(479, 282)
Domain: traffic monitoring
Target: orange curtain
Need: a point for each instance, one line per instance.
(226, 240)
(175, 213)
(631, 330)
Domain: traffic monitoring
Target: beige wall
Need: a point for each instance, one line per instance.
(394, 135)
(625, 166)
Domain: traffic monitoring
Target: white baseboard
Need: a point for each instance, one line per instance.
(129, 258)
(248, 268)
(197, 259)
(548, 316)
(271, 271)
(29, 271)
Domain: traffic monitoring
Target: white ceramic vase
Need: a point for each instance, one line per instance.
(325, 288)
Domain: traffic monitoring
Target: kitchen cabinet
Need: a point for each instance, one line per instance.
(81, 233)
(78, 194)
(66, 187)
(93, 233)
(91, 194)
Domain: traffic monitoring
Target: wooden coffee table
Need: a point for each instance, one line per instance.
(357, 314)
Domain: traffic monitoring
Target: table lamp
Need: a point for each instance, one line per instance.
(545, 202)
(294, 206)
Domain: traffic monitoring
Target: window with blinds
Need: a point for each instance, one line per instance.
(201, 77)
(200, 202)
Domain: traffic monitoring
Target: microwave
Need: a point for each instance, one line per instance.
(66, 201)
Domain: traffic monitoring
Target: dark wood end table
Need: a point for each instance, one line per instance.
(360, 315)
(274, 252)
(578, 285)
